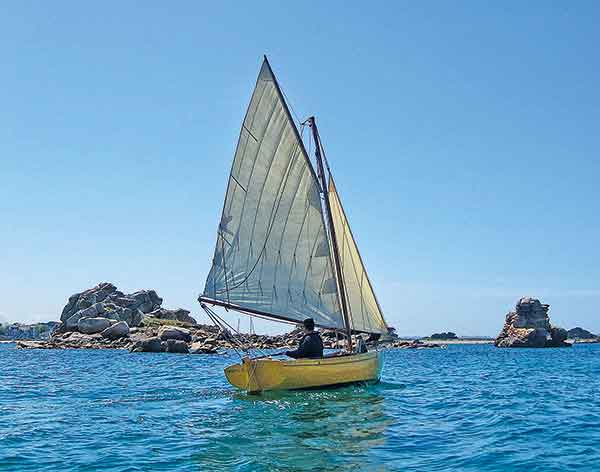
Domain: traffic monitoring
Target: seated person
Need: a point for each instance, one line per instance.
(311, 344)
(361, 346)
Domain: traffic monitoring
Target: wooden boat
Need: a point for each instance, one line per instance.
(285, 250)
(255, 375)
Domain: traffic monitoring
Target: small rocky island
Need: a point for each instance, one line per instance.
(529, 326)
(580, 334)
(104, 317)
(444, 336)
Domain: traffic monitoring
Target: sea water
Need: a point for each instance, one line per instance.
(467, 408)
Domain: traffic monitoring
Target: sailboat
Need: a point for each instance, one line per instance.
(285, 251)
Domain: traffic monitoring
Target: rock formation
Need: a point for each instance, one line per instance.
(27, 331)
(175, 346)
(93, 325)
(580, 333)
(106, 318)
(105, 300)
(529, 326)
(173, 332)
(445, 335)
(176, 315)
(116, 331)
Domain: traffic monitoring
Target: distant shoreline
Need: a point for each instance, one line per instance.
(451, 341)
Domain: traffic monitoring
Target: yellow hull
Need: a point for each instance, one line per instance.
(270, 374)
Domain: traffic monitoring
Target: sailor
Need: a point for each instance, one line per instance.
(311, 344)
(361, 346)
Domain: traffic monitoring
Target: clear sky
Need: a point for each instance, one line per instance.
(464, 137)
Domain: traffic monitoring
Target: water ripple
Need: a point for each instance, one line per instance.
(466, 408)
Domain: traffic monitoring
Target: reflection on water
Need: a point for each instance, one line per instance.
(303, 430)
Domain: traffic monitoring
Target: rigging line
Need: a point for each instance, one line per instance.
(225, 268)
(216, 323)
(222, 322)
(291, 107)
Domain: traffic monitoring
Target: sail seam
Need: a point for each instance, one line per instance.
(243, 155)
(260, 196)
(293, 201)
(252, 173)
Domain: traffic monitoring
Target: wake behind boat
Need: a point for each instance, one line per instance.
(285, 250)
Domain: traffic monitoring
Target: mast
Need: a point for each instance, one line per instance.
(315, 132)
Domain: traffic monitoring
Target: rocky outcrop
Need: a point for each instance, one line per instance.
(580, 333)
(445, 335)
(416, 344)
(175, 333)
(175, 346)
(16, 331)
(152, 344)
(116, 331)
(200, 347)
(106, 300)
(529, 326)
(155, 334)
(176, 315)
(72, 322)
(93, 325)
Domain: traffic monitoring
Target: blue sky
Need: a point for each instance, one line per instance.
(463, 137)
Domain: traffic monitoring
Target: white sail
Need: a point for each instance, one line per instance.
(272, 253)
(364, 311)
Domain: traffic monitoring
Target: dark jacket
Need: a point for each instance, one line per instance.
(311, 347)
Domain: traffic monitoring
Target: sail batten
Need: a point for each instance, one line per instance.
(272, 254)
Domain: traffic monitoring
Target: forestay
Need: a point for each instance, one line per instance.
(364, 310)
(272, 253)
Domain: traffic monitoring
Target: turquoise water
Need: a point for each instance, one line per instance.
(466, 408)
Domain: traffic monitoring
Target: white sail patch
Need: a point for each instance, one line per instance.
(272, 252)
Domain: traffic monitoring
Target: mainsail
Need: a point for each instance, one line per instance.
(273, 255)
(364, 311)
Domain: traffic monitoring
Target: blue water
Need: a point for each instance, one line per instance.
(468, 408)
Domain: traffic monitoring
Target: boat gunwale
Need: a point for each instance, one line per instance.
(325, 361)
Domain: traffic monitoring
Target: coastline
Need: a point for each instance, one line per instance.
(456, 341)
